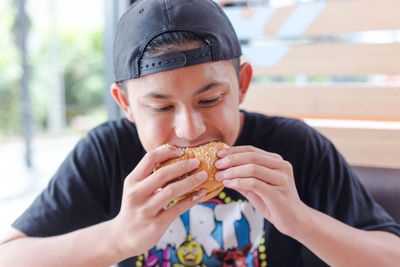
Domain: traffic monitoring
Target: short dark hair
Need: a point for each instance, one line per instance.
(170, 42)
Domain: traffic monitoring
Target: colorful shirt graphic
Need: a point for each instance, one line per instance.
(220, 232)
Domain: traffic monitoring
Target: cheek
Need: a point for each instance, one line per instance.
(227, 121)
(152, 132)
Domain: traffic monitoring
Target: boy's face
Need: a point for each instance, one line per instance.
(187, 106)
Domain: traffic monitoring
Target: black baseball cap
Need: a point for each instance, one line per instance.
(146, 19)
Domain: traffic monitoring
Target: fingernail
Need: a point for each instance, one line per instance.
(199, 195)
(202, 176)
(219, 176)
(221, 153)
(219, 163)
(194, 162)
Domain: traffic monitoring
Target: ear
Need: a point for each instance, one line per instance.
(245, 75)
(122, 100)
(246, 249)
(219, 254)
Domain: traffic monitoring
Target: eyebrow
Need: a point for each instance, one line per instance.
(198, 92)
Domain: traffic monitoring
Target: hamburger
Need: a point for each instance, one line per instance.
(207, 154)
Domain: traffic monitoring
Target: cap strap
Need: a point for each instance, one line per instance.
(175, 60)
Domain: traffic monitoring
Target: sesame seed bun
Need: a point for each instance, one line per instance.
(207, 154)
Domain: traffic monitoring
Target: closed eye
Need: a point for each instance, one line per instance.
(162, 109)
(211, 101)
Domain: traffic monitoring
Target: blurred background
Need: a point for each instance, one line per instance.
(52, 91)
(333, 64)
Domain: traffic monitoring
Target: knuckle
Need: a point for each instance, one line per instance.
(286, 165)
(143, 212)
(146, 211)
(129, 189)
(170, 191)
(151, 156)
(192, 182)
(252, 157)
(252, 183)
(133, 191)
(228, 159)
(185, 165)
(287, 179)
(160, 172)
(253, 169)
(251, 148)
(239, 182)
(277, 156)
(188, 164)
(255, 149)
(127, 182)
(282, 165)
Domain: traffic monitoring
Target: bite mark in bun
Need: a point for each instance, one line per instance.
(207, 154)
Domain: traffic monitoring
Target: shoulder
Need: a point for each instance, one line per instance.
(113, 146)
(113, 134)
(116, 138)
(113, 129)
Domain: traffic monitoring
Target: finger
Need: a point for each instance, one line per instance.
(272, 177)
(263, 190)
(257, 203)
(251, 185)
(152, 160)
(242, 149)
(260, 158)
(260, 194)
(176, 189)
(166, 174)
(183, 205)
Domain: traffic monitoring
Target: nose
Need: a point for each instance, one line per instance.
(189, 124)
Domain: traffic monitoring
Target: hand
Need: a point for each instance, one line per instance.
(143, 217)
(267, 181)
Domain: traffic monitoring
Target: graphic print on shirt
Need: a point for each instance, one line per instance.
(213, 233)
(190, 253)
(235, 258)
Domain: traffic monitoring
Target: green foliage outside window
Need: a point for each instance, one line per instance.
(10, 70)
(80, 60)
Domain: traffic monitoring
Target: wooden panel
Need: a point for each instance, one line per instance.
(361, 15)
(366, 147)
(331, 17)
(349, 102)
(361, 147)
(277, 20)
(326, 59)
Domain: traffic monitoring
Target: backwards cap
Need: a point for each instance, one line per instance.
(146, 19)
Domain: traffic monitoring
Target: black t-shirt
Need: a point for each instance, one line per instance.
(87, 189)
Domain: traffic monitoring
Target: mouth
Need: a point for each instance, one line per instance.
(190, 259)
(196, 144)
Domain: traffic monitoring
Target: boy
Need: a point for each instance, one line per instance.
(179, 81)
